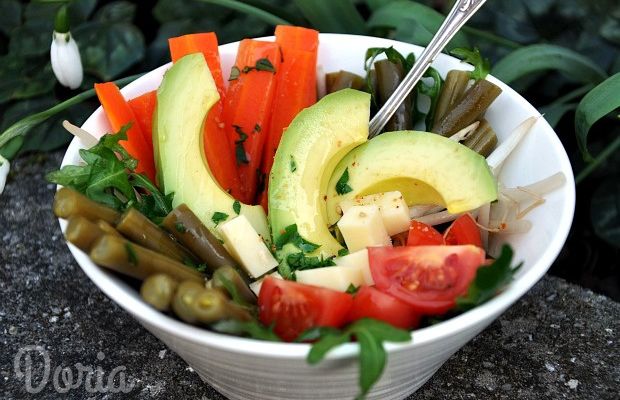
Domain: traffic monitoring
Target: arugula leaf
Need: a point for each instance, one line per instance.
(236, 207)
(109, 177)
(218, 217)
(253, 329)
(370, 334)
(342, 186)
(482, 66)
(489, 281)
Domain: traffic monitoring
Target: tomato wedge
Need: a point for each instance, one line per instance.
(421, 234)
(428, 278)
(294, 307)
(463, 231)
(369, 302)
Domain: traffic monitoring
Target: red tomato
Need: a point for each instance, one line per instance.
(369, 302)
(421, 234)
(429, 278)
(463, 231)
(294, 307)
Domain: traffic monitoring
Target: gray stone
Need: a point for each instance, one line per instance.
(559, 341)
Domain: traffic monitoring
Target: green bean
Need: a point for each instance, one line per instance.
(184, 299)
(158, 290)
(453, 88)
(229, 279)
(211, 305)
(138, 262)
(82, 233)
(389, 76)
(68, 202)
(185, 226)
(469, 108)
(107, 228)
(483, 140)
(143, 231)
(342, 80)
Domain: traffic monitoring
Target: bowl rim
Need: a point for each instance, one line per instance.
(247, 346)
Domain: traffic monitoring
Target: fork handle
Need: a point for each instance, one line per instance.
(459, 14)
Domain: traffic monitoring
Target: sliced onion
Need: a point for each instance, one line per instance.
(499, 155)
(484, 213)
(465, 132)
(321, 90)
(424, 209)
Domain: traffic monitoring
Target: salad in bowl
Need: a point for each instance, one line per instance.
(233, 203)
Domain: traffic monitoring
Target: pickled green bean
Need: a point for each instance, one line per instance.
(82, 233)
(389, 76)
(335, 81)
(158, 290)
(483, 140)
(68, 202)
(453, 88)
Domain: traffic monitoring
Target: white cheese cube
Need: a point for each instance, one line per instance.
(359, 259)
(255, 286)
(336, 277)
(362, 226)
(246, 246)
(393, 208)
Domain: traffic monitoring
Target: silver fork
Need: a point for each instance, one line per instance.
(459, 14)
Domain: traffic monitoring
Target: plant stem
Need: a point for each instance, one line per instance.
(24, 125)
(591, 166)
(250, 10)
(491, 37)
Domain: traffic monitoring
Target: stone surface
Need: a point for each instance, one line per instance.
(559, 341)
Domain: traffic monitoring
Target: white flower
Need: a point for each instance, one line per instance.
(4, 172)
(66, 61)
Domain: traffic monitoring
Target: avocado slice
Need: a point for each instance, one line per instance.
(184, 98)
(425, 167)
(314, 143)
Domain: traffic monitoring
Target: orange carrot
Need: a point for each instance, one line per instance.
(295, 87)
(143, 107)
(248, 107)
(119, 114)
(218, 149)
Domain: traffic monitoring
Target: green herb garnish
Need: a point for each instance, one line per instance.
(237, 207)
(234, 73)
(131, 254)
(293, 165)
(291, 235)
(352, 289)
(180, 227)
(300, 261)
(218, 217)
(482, 66)
(343, 252)
(342, 186)
(240, 154)
(264, 64)
(489, 281)
(370, 335)
(108, 177)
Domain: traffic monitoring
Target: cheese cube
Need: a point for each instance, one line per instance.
(336, 277)
(246, 246)
(362, 226)
(393, 208)
(359, 259)
(255, 286)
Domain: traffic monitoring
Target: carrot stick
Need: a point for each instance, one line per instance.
(143, 107)
(248, 107)
(218, 149)
(119, 114)
(295, 87)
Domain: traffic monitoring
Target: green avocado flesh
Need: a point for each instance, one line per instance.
(311, 147)
(426, 168)
(184, 98)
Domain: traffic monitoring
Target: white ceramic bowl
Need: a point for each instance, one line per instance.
(249, 369)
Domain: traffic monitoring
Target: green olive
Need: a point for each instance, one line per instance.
(158, 290)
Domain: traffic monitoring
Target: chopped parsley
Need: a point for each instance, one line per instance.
(237, 207)
(240, 154)
(262, 64)
(352, 289)
(300, 261)
(342, 186)
(343, 252)
(218, 217)
(291, 235)
(293, 165)
(180, 227)
(234, 73)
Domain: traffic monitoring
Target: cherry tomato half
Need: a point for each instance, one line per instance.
(421, 234)
(463, 231)
(294, 307)
(369, 302)
(429, 278)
